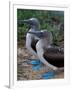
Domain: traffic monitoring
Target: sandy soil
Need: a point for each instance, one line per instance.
(24, 70)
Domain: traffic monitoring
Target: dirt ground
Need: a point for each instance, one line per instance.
(24, 69)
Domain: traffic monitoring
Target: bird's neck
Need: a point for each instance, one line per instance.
(41, 44)
(33, 27)
(45, 42)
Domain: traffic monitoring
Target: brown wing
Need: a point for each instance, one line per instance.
(54, 57)
(33, 44)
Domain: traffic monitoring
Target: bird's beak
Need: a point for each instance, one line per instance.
(38, 34)
(23, 21)
(26, 21)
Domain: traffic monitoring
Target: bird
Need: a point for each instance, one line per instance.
(51, 56)
(31, 40)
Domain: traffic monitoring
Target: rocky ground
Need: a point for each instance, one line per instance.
(24, 69)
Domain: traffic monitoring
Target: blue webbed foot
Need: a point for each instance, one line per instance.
(48, 75)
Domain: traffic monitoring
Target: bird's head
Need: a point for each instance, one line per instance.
(43, 35)
(33, 22)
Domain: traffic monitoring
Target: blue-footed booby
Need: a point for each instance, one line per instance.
(31, 40)
(51, 56)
